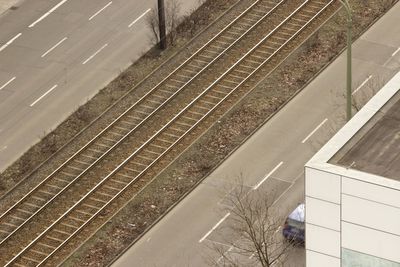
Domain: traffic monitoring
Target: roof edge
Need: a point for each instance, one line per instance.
(321, 158)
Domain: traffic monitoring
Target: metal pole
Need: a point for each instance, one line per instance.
(349, 69)
(347, 6)
(161, 24)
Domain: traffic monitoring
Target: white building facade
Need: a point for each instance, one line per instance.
(353, 216)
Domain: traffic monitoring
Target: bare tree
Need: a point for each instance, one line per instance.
(172, 10)
(252, 233)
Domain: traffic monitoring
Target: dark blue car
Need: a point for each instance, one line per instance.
(293, 230)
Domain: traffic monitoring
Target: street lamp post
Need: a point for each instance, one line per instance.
(347, 6)
(161, 24)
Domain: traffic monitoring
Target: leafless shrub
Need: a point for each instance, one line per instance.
(254, 237)
(172, 11)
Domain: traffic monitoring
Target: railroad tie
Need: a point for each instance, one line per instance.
(94, 207)
(62, 232)
(76, 219)
(68, 174)
(32, 205)
(81, 162)
(24, 211)
(46, 245)
(38, 198)
(17, 218)
(9, 224)
(97, 199)
(84, 212)
(132, 170)
(54, 238)
(30, 259)
(38, 252)
(118, 182)
(69, 225)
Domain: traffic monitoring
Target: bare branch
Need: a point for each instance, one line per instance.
(251, 233)
(172, 20)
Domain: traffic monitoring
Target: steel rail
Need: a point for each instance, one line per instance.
(169, 148)
(148, 93)
(9, 191)
(134, 128)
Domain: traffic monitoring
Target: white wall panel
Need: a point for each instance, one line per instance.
(323, 213)
(323, 185)
(371, 214)
(323, 240)
(372, 242)
(371, 191)
(315, 259)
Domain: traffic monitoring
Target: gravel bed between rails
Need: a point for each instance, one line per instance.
(55, 147)
(224, 137)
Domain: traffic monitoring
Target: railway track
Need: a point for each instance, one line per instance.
(84, 211)
(128, 122)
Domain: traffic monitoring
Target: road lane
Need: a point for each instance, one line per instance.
(174, 240)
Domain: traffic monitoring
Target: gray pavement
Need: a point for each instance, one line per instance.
(5, 5)
(55, 55)
(274, 156)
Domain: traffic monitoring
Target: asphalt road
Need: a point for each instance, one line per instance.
(55, 55)
(6, 4)
(273, 158)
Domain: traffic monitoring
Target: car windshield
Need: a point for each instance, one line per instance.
(298, 213)
(295, 224)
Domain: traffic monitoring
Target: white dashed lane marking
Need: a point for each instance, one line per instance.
(98, 12)
(268, 175)
(7, 83)
(37, 100)
(141, 16)
(362, 84)
(95, 53)
(214, 227)
(53, 47)
(9, 42)
(313, 132)
(47, 13)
